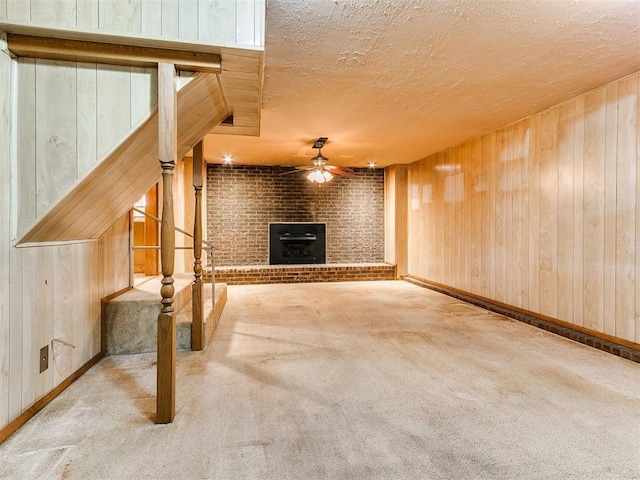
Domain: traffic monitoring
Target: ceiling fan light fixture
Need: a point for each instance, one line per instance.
(319, 176)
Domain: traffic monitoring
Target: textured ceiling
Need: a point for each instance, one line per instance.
(394, 81)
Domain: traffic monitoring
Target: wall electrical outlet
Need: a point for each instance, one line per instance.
(44, 358)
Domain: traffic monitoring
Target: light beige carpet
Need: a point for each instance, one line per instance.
(367, 380)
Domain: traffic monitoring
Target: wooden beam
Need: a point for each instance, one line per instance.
(168, 153)
(114, 54)
(197, 299)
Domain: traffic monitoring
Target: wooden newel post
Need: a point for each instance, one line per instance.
(167, 151)
(197, 298)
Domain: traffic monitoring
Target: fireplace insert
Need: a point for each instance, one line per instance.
(297, 243)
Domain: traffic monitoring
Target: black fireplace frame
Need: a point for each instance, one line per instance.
(309, 236)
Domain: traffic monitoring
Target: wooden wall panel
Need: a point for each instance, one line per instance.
(475, 238)
(87, 117)
(151, 18)
(114, 88)
(565, 209)
(578, 213)
(414, 225)
(144, 94)
(56, 145)
(40, 287)
(637, 237)
(214, 25)
(188, 19)
(55, 291)
(397, 206)
(18, 10)
(87, 16)
(625, 233)
(119, 15)
(519, 208)
(28, 368)
(84, 111)
(170, 16)
(548, 226)
(15, 330)
(61, 355)
(594, 175)
(246, 29)
(61, 12)
(389, 215)
(109, 101)
(610, 174)
(46, 292)
(500, 154)
(5, 237)
(225, 22)
(548, 214)
(26, 143)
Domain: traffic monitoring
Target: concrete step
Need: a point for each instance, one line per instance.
(132, 317)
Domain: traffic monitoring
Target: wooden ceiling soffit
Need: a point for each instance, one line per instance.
(32, 46)
(242, 76)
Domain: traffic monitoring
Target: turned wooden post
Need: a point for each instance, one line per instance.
(167, 151)
(197, 298)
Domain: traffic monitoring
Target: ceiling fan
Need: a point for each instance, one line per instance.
(320, 172)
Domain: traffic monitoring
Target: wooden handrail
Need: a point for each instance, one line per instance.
(177, 229)
(156, 247)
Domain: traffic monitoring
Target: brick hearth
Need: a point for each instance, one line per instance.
(337, 272)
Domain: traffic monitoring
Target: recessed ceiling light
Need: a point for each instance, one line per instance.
(227, 159)
(372, 164)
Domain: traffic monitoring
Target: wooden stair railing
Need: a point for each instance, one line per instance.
(197, 299)
(168, 155)
(197, 324)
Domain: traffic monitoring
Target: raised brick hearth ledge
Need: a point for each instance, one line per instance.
(327, 272)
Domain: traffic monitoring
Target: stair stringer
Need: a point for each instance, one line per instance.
(107, 192)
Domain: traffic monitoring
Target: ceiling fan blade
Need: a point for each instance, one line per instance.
(292, 171)
(339, 171)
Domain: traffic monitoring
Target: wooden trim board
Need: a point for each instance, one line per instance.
(586, 336)
(24, 417)
(132, 39)
(31, 46)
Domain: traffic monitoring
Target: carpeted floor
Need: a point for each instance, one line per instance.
(364, 380)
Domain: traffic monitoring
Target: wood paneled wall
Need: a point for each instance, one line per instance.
(53, 292)
(85, 110)
(228, 22)
(543, 214)
(395, 217)
(70, 116)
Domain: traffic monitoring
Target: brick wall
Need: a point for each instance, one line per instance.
(242, 200)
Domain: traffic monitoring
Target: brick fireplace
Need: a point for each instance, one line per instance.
(243, 200)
